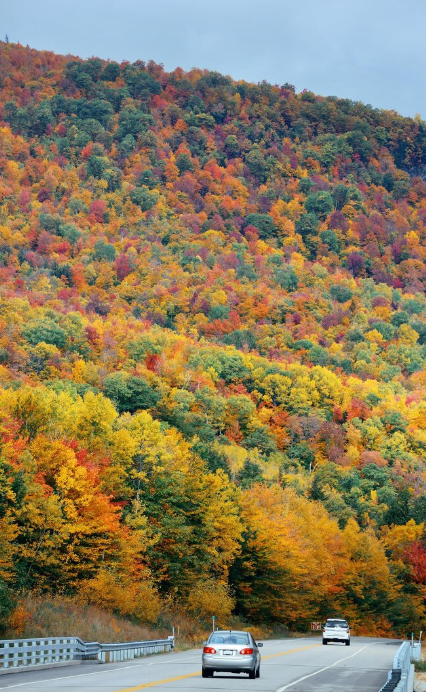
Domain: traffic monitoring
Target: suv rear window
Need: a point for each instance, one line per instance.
(336, 623)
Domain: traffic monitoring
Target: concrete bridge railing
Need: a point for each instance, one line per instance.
(401, 677)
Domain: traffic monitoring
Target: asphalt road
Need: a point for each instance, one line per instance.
(298, 665)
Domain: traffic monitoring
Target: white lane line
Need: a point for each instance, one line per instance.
(162, 663)
(103, 672)
(305, 677)
(84, 675)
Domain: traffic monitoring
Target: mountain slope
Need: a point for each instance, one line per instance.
(212, 344)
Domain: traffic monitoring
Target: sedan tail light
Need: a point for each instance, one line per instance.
(246, 652)
(209, 650)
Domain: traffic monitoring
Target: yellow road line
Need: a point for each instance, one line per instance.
(146, 685)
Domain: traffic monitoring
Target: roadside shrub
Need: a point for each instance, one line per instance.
(135, 599)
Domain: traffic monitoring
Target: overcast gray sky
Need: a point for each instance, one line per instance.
(368, 50)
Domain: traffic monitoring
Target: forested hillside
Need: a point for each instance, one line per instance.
(212, 346)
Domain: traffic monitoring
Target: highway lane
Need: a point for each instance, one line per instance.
(297, 665)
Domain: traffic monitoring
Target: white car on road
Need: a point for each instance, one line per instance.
(336, 630)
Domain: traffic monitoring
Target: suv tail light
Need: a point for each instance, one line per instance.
(246, 652)
(347, 630)
(209, 650)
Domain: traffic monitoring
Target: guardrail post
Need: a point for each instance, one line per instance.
(415, 651)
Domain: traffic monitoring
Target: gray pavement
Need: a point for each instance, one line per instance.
(297, 665)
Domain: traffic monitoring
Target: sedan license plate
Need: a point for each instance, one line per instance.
(228, 652)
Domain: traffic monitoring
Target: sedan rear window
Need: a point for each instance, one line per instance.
(229, 639)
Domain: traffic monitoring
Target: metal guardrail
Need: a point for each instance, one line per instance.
(32, 652)
(15, 653)
(400, 677)
(107, 653)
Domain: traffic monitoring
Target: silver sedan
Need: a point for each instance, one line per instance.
(228, 651)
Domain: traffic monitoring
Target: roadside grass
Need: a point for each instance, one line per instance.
(39, 616)
(420, 666)
(55, 616)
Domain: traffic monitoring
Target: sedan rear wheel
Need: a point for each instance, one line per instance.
(258, 672)
(252, 674)
(205, 673)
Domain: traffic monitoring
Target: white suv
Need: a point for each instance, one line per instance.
(336, 630)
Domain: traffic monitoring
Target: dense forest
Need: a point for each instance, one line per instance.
(212, 346)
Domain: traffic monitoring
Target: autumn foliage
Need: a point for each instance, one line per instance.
(212, 347)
